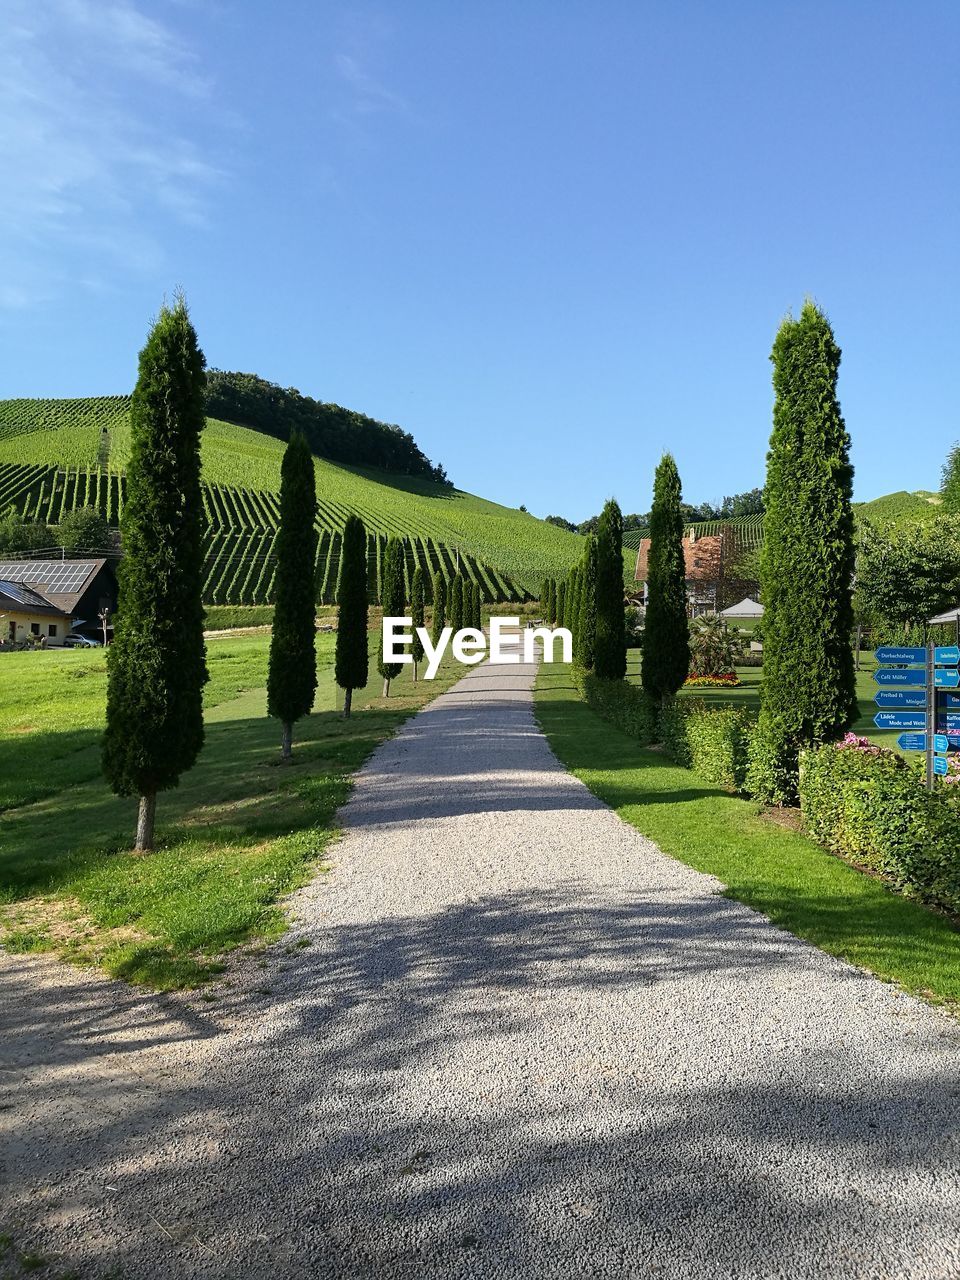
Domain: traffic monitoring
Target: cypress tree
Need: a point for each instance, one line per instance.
(456, 603)
(586, 629)
(545, 597)
(561, 602)
(439, 607)
(477, 607)
(808, 693)
(665, 662)
(156, 666)
(416, 613)
(610, 641)
(292, 672)
(552, 603)
(394, 600)
(351, 663)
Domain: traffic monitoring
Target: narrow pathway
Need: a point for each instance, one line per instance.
(516, 1042)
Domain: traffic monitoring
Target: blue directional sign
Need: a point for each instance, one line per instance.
(901, 676)
(900, 720)
(953, 723)
(890, 653)
(901, 698)
(947, 654)
(918, 742)
(950, 700)
(940, 765)
(946, 679)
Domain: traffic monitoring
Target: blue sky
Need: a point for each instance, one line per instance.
(551, 240)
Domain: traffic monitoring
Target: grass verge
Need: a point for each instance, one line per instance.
(779, 872)
(238, 833)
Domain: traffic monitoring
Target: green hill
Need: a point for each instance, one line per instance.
(56, 455)
(900, 508)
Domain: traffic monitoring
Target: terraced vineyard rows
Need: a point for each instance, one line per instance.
(239, 559)
(59, 454)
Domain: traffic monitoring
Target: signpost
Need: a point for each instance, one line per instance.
(900, 698)
(913, 686)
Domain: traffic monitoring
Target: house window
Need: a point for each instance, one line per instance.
(34, 628)
(52, 631)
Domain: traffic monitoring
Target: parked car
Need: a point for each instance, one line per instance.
(76, 641)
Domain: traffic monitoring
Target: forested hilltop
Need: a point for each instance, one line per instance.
(342, 435)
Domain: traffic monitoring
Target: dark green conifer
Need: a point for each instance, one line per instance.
(351, 662)
(666, 636)
(610, 640)
(808, 694)
(156, 666)
(416, 613)
(439, 607)
(394, 602)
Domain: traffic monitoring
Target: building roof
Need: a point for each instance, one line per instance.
(745, 609)
(61, 582)
(19, 598)
(951, 615)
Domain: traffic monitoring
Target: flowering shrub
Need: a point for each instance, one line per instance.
(860, 744)
(725, 680)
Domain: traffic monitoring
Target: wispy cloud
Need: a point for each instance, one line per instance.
(94, 147)
(368, 96)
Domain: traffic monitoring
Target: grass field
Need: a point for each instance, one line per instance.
(779, 872)
(238, 833)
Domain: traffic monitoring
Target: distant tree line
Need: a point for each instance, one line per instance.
(748, 503)
(342, 435)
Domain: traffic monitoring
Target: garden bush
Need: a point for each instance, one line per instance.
(870, 806)
(625, 705)
(712, 740)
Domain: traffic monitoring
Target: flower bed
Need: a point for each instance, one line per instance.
(726, 680)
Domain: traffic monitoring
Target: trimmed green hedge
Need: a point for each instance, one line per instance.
(712, 740)
(870, 806)
(624, 705)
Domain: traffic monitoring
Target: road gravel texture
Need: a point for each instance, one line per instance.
(521, 1043)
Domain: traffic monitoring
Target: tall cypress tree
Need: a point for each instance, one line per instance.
(610, 640)
(439, 607)
(808, 694)
(545, 597)
(352, 659)
(394, 601)
(561, 602)
(156, 666)
(665, 662)
(456, 603)
(552, 603)
(416, 614)
(292, 673)
(586, 630)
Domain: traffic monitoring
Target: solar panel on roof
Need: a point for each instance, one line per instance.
(62, 577)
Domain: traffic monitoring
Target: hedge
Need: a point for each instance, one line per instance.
(712, 740)
(625, 705)
(870, 806)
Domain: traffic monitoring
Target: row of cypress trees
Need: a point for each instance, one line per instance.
(808, 693)
(589, 601)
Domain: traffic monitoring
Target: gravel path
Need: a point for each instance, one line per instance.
(522, 1044)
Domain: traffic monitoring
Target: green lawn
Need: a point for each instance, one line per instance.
(748, 695)
(780, 872)
(239, 831)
